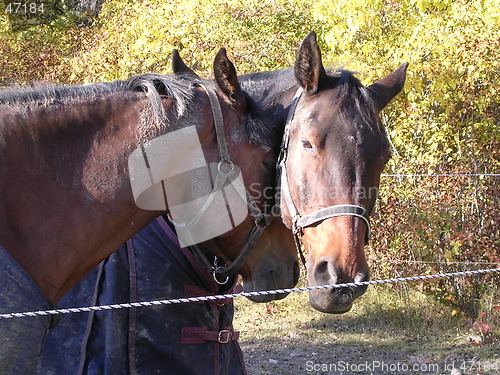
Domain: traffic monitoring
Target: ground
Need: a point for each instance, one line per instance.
(387, 332)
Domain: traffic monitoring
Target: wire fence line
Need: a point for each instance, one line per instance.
(243, 294)
(441, 175)
(437, 175)
(465, 263)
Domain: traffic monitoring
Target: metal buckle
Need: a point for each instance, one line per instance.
(221, 339)
(229, 166)
(295, 229)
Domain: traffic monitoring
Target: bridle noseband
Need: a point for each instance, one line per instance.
(299, 222)
(226, 170)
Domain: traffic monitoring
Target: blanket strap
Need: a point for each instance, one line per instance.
(199, 335)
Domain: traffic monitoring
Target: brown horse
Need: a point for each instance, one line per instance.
(66, 200)
(334, 150)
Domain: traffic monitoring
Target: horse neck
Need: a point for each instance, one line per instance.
(68, 204)
(273, 92)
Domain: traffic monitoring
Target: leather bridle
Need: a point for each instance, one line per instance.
(226, 171)
(303, 221)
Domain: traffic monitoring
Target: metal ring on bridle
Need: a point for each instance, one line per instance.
(214, 274)
(227, 162)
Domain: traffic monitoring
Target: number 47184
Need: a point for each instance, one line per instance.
(20, 8)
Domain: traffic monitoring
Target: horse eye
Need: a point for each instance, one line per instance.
(307, 145)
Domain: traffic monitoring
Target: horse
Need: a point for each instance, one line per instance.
(333, 153)
(66, 197)
(150, 340)
(334, 150)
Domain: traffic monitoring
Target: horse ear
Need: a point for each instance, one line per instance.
(178, 65)
(309, 70)
(385, 89)
(227, 79)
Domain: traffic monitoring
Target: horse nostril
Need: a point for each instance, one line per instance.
(325, 273)
(322, 267)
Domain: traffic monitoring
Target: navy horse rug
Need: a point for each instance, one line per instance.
(20, 338)
(194, 338)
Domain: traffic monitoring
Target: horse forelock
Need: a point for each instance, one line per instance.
(351, 98)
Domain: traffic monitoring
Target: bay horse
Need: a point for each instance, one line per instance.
(334, 150)
(66, 199)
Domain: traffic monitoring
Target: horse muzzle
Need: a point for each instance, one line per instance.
(271, 279)
(334, 300)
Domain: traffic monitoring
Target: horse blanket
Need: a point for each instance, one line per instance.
(20, 338)
(194, 338)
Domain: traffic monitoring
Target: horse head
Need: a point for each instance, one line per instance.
(336, 150)
(272, 262)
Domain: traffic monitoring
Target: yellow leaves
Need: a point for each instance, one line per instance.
(452, 47)
(432, 5)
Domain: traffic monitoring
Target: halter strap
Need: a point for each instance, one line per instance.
(218, 124)
(223, 174)
(285, 189)
(334, 211)
(225, 272)
(261, 220)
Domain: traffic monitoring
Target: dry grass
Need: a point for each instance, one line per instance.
(403, 330)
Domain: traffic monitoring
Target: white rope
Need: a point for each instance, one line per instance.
(467, 263)
(443, 175)
(244, 294)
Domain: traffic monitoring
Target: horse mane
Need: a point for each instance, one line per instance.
(177, 87)
(154, 85)
(261, 127)
(50, 94)
(258, 130)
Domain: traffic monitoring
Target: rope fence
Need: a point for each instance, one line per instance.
(443, 175)
(464, 263)
(243, 294)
